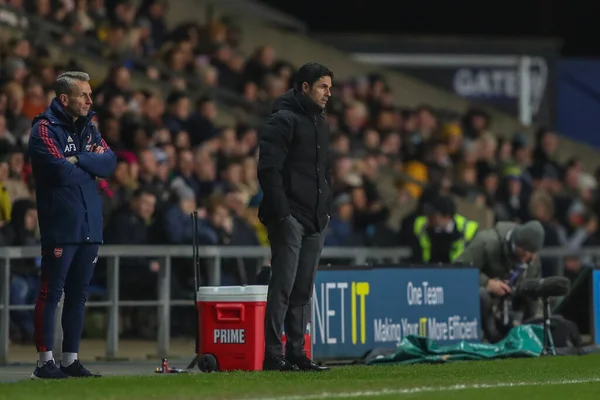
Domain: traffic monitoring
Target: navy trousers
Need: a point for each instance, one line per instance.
(69, 268)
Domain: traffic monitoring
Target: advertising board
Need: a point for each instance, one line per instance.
(356, 310)
(596, 305)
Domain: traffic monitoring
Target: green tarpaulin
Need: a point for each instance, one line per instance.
(522, 341)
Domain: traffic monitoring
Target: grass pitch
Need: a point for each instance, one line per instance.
(549, 378)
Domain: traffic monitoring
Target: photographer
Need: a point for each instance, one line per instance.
(505, 256)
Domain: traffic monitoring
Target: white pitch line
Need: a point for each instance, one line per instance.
(426, 389)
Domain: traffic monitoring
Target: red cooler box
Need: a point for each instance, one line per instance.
(231, 325)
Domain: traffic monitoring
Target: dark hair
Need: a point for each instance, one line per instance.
(174, 97)
(441, 204)
(203, 100)
(310, 73)
(142, 191)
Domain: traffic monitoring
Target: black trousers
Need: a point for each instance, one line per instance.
(489, 324)
(294, 261)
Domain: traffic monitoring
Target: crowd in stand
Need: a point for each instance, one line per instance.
(173, 158)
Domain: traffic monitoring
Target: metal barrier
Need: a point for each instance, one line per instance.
(214, 255)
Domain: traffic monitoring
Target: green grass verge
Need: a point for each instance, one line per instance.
(531, 379)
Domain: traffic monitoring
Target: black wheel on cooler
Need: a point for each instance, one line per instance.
(208, 363)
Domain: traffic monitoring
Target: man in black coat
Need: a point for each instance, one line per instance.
(295, 176)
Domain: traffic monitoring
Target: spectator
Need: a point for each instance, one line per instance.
(25, 273)
(132, 226)
(252, 220)
(341, 231)
(5, 200)
(510, 203)
(178, 223)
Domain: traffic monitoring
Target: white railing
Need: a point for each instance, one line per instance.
(211, 255)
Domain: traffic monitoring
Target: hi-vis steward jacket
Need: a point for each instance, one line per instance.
(463, 226)
(68, 199)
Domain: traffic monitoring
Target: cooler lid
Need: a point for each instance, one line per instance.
(232, 293)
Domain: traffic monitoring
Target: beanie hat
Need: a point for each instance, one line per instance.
(529, 236)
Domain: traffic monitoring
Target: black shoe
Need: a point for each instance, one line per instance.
(76, 370)
(48, 370)
(278, 363)
(306, 364)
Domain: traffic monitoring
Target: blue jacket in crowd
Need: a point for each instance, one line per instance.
(68, 201)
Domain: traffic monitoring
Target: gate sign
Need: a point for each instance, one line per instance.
(496, 86)
(357, 310)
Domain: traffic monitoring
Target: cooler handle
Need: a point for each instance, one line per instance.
(230, 312)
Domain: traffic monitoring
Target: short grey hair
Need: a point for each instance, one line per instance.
(66, 81)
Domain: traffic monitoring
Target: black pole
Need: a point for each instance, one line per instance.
(548, 349)
(196, 264)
